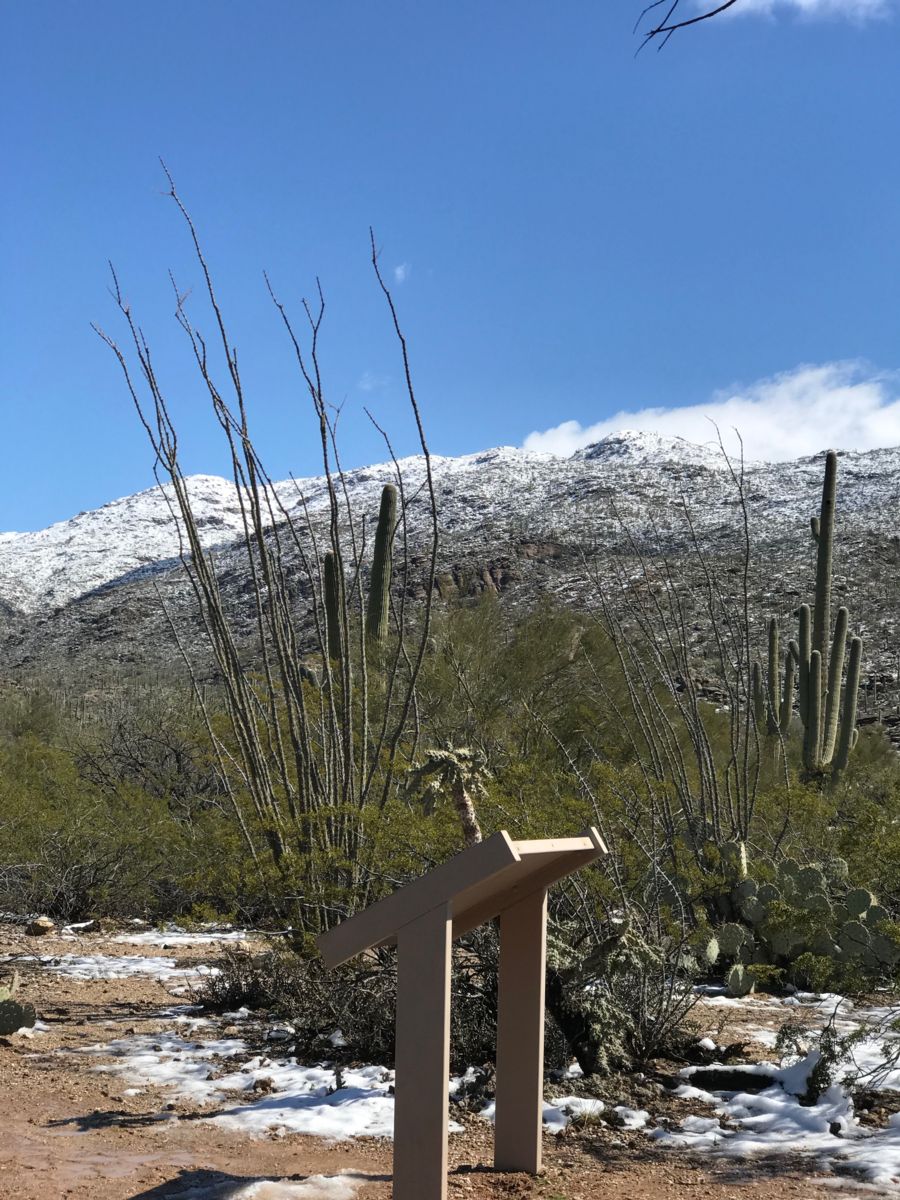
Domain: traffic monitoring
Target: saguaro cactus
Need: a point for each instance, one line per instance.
(817, 659)
(849, 734)
(833, 697)
(759, 697)
(823, 533)
(382, 562)
(334, 595)
(780, 703)
(828, 725)
(804, 644)
(812, 737)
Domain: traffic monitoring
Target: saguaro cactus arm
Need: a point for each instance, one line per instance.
(835, 671)
(380, 586)
(848, 731)
(787, 701)
(812, 741)
(773, 679)
(823, 533)
(334, 590)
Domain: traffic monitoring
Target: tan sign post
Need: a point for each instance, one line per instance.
(497, 878)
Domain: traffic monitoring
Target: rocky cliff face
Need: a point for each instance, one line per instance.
(85, 595)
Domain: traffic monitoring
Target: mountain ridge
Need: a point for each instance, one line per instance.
(84, 597)
(51, 567)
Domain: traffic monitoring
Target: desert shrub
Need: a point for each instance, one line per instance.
(358, 999)
(74, 848)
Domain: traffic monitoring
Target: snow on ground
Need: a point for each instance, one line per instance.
(775, 1121)
(261, 1094)
(256, 1094)
(174, 935)
(165, 935)
(566, 1109)
(111, 966)
(316, 1187)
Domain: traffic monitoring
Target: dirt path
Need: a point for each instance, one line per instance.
(69, 1130)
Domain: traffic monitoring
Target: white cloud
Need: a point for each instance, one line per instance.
(401, 273)
(854, 10)
(844, 405)
(371, 381)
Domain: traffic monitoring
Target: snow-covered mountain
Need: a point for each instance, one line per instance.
(139, 533)
(516, 521)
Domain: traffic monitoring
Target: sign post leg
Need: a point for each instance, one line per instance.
(520, 1035)
(421, 1103)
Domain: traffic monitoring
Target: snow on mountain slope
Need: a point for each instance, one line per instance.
(642, 446)
(479, 494)
(48, 568)
(54, 565)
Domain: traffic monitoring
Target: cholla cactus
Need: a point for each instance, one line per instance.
(458, 772)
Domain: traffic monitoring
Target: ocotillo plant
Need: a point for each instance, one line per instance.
(382, 563)
(300, 766)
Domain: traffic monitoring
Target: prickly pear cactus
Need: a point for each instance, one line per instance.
(859, 901)
(886, 950)
(739, 981)
(15, 1016)
(811, 879)
(745, 889)
(731, 937)
(753, 910)
(876, 916)
(816, 902)
(853, 939)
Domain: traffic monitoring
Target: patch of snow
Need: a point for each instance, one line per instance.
(560, 1112)
(260, 1095)
(632, 1118)
(315, 1187)
(774, 1120)
(68, 931)
(176, 936)
(108, 966)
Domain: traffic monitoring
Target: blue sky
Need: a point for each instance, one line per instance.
(575, 235)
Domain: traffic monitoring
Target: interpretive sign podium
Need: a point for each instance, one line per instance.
(497, 878)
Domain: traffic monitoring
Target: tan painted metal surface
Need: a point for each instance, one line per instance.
(422, 1055)
(478, 883)
(520, 1035)
(497, 878)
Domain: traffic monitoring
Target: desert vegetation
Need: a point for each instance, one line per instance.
(747, 842)
(362, 728)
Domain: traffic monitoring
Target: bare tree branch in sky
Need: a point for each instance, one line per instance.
(665, 26)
